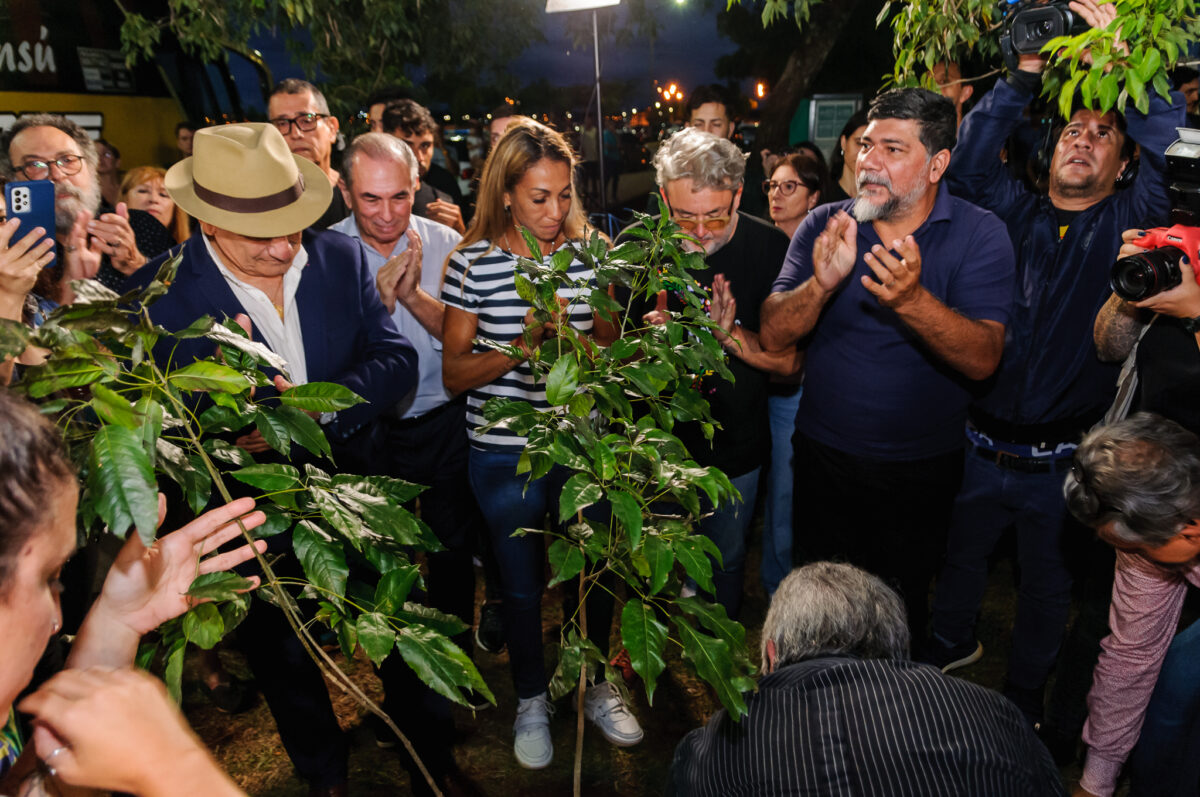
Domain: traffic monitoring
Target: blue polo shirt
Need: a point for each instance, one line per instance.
(871, 387)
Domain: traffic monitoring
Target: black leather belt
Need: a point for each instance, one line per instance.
(1007, 461)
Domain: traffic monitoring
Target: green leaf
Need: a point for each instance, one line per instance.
(440, 664)
(392, 590)
(695, 561)
(121, 479)
(661, 559)
(14, 338)
(627, 510)
(112, 407)
(579, 492)
(206, 375)
(525, 289)
(274, 431)
(604, 461)
(713, 661)
(712, 616)
(218, 586)
(173, 675)
(563, 379)
(644, 637)
(277, 522)
(322, 558)
(269, 478)
(399, 491)
(151, 414)
(61, 374)
(566, 561)
(320, 397)
(197, 329)
(302, 428)
(375, 635)
(420, 614)
(623, 348)
(203, 625)
(347, 638)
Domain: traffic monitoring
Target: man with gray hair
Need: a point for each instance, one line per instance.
(842, 710)
(902, 295)
(421, 439)
(1137, 483)
(92, 243)
(700, 176)
(300, 112)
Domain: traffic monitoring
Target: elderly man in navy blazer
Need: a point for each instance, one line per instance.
(309, 296)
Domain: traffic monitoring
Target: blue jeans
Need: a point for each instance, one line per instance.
(1166, 761)
(727, 527)
(777, 508)
(991, 500)
(508, 503)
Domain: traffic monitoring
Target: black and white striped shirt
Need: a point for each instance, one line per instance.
(480, 280)
(846, 726)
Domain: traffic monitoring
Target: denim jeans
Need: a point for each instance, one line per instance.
(510, 502)
(993, 499)
(1166, 761)
(727, 527)
(777, 508)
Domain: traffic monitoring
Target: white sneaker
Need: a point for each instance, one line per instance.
(532, 745)
(603, 705)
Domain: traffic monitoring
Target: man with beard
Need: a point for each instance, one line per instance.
(52, 147)
(1051, 386)
(904, 305)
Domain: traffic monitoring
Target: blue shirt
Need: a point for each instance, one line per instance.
(871, 387)
(437, 242)
(1050, 373)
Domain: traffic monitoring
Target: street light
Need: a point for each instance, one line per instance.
(555, 6)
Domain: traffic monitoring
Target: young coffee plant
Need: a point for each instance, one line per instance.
(610, 421)
(134, 418)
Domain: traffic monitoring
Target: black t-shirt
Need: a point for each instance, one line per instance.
(1168, 364)
(751, 262)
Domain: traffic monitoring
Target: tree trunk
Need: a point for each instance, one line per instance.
(817, 39)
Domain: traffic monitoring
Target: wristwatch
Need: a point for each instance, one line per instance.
(1192, 325)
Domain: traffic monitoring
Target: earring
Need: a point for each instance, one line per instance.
(54, 628)
(507, 210)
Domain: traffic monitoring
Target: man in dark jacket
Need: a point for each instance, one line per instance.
(1051, 387)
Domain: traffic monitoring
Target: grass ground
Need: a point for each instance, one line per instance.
(248, 746)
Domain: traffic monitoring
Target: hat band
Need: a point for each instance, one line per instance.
(256, 204)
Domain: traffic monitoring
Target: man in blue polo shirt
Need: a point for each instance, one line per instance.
(903, 293)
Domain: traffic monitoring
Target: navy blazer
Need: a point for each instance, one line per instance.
(349, 337)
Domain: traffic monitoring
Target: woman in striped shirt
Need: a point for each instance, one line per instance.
(527, 183)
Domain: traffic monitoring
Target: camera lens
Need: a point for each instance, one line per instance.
(1142, 275)
(1042, 30)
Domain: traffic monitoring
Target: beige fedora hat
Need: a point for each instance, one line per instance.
(243, 178)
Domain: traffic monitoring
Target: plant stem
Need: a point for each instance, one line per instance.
(579, 698)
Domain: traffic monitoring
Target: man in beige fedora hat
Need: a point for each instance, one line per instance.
(309, 296)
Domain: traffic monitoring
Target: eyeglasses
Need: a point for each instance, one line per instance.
(40, 169)
(305, 122)
(786, 187)
(714, 224)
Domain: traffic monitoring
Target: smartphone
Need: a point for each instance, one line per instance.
(32, 202)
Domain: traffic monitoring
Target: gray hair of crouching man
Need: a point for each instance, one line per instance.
(709, 161)
(380, 147)
(1139, 476)
(834, 609)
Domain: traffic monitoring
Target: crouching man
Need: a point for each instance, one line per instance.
(1137, 483)
(842, 710)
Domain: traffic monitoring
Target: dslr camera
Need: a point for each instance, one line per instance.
(1158, 269)
(1029, 24)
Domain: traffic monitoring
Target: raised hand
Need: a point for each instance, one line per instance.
(899, 278)
(834, 251)
(148, 586)
(660, 314)
(401, 275)
(447, 213)
(113, 236)
(20, 264)
(722, 307)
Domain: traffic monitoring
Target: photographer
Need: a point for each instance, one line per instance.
(1137, 483)
(1050, 386)
(1168, 355)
